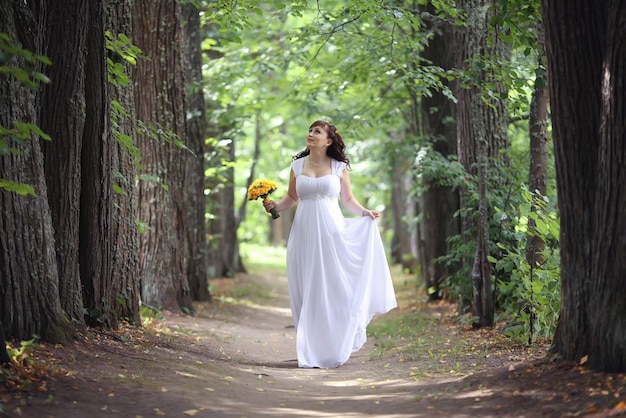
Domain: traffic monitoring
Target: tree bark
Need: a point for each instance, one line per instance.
(404, 240)
(608, 264)
(62, 116)
(108, 234)
(230, 244)
(125, 276)
(4, 354)
(29, 282)
(481, 135)
(587, 96)
(195, 181)
(439, 203)
(538, 172)
(160, 106)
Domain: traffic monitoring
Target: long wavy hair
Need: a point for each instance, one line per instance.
(336, 150)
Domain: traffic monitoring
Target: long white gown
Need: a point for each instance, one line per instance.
(337, 272)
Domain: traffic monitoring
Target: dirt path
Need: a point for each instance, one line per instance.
(238, 360)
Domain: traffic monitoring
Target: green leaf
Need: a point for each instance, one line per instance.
(19, 188)
(29, 127)
(118, 189)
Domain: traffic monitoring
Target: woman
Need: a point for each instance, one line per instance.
(338, 275)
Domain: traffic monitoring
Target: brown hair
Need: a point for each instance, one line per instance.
(337, 148)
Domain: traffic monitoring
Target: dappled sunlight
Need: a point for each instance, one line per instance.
(252, 305)
(474, 394)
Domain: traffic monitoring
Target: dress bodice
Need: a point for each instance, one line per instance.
(313, 188)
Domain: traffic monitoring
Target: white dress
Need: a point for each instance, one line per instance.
(337, 272)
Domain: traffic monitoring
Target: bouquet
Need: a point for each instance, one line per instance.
(262, 188)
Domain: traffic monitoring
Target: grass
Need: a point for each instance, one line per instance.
(263, 258)
(434, 335)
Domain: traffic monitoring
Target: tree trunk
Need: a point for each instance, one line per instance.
(195, 182)
(214, 180)
(62, 116)
(403, 250)
(538, 173)
(125, 276)
(96, 197)
(481, 134)
(439, 203)
(108, 237)
(29, 282)
(4, 354)
(587, 97)
(230, 244)
(481, 271)
(160, 106)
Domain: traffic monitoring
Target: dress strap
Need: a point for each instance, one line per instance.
(297, 166)
(337, 167)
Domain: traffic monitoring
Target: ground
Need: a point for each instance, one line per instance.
(236, 358)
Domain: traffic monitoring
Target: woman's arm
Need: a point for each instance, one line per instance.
(350, 202)
(288, 201)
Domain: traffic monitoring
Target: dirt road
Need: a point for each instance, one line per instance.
(236, 358)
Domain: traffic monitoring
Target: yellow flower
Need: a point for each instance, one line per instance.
(260, 188)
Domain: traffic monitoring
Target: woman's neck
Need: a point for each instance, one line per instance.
(318, 159)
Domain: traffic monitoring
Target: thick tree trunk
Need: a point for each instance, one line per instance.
(160, 105)
(62, 116)
(607, 308)
(95, 255)
(196, 135)
(439, 203)
(29, 282)
(586, 61)
(124, 281)
(108, 239)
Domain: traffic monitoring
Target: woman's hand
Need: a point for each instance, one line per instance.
(371, 213)
(269, 205)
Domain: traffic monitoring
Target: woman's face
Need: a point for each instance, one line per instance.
(317, 138)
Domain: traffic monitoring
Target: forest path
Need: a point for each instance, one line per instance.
(251, 370)
(236, 358)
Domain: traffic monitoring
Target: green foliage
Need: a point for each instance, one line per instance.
(438, 169)
(120, 49)
(19, 188)
(20, 63)
(11, 139)
(530, 294)
(276, 66)
(148, 314)
(21, 355)
(126, 141)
